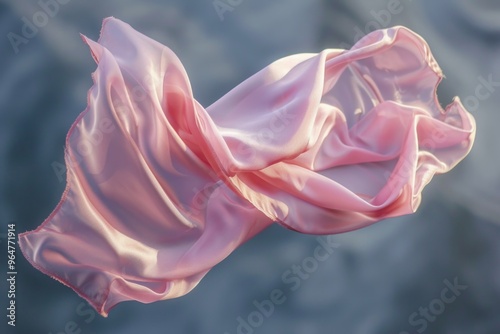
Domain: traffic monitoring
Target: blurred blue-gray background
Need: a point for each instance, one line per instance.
(437, 271)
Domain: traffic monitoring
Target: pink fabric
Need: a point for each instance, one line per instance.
(159, 189)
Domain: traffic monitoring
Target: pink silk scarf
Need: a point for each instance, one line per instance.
(160, 189)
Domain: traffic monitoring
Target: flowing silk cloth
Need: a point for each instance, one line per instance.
(160, 189)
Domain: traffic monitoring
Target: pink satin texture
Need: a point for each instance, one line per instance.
(160, 189)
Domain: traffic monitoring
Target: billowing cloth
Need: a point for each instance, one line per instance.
(160, 189)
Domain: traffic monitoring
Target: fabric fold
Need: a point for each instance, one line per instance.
(160, 189)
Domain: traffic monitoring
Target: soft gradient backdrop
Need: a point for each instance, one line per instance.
(376, 278)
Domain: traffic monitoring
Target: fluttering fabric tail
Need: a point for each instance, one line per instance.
(160, 189)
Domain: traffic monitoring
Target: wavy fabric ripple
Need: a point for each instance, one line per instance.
(160, 189)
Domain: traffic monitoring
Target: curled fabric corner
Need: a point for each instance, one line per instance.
(159, 189)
